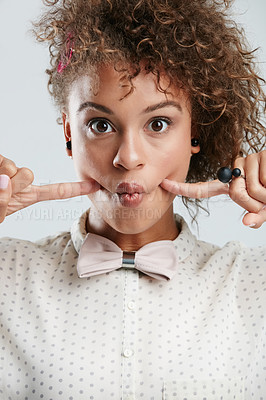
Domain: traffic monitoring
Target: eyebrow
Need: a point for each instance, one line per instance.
(95, 106)
(106, 110)
(162, 105)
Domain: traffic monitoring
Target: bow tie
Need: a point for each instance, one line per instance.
(99, 255)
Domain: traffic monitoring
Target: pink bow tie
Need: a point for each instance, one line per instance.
(99, 255)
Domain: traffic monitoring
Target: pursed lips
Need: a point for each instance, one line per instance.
(126, 188)
(132, 190)
(129, 194)
(129, 188)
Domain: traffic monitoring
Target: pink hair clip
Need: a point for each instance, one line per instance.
(66, 58)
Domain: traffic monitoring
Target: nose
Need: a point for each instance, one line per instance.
(130, 153)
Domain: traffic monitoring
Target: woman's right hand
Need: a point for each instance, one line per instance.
(17, 191)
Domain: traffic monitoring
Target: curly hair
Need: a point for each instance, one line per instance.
(195, 42)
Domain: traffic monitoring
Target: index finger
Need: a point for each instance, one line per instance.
(199, 190)
(60, 191)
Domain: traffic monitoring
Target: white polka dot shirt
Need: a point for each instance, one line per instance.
(124, 335)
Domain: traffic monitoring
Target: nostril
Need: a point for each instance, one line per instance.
(129, 156)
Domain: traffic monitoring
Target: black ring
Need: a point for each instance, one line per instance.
(225, 174)
(236, 172)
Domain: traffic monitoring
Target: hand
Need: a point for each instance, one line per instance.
(20, 192)
(249, 193)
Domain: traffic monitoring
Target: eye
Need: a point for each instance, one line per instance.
(100, 126)
(159, 125)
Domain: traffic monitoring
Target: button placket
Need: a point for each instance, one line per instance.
(129, 333)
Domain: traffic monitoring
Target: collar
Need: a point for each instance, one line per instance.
(184, 243)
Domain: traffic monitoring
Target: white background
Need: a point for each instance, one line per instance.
(30, 136)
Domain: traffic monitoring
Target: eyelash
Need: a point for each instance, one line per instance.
(96, 120)
(163, 119)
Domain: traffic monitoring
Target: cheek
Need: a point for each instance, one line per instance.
(87, 161)
(175, 163)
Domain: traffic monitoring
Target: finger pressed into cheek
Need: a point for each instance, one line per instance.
(199, 190)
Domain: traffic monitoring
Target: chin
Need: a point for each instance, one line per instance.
(136, 223)
(132, 221)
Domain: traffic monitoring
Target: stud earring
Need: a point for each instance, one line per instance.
(68, 145)
(194, 142)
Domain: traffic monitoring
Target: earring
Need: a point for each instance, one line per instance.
(68, 145)
(194, 142)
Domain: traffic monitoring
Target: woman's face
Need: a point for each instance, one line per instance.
(129, 145)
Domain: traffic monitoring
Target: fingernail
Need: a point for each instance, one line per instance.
(264, 207)
(251, 225)
(4, 179)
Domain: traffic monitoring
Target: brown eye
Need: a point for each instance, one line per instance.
(159, 125)
(100, 126)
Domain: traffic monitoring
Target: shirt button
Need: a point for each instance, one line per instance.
(128, 353)
(131, 305)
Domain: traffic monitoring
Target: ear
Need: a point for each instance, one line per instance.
(195, 149)
(67, 131)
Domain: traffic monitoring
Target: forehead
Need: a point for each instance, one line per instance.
(110, 86)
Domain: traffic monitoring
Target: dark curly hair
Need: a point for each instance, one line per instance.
(194, 41)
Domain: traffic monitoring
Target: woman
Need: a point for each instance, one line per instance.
(152, 94)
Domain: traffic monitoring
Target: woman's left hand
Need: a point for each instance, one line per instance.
(248, 192)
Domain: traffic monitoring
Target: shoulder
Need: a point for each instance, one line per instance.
(8, 243)
(233, 252)
(230, 253)
(238, 252)
(17, 254)
(235, 266)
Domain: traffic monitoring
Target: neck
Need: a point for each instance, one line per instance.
(163, 229)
